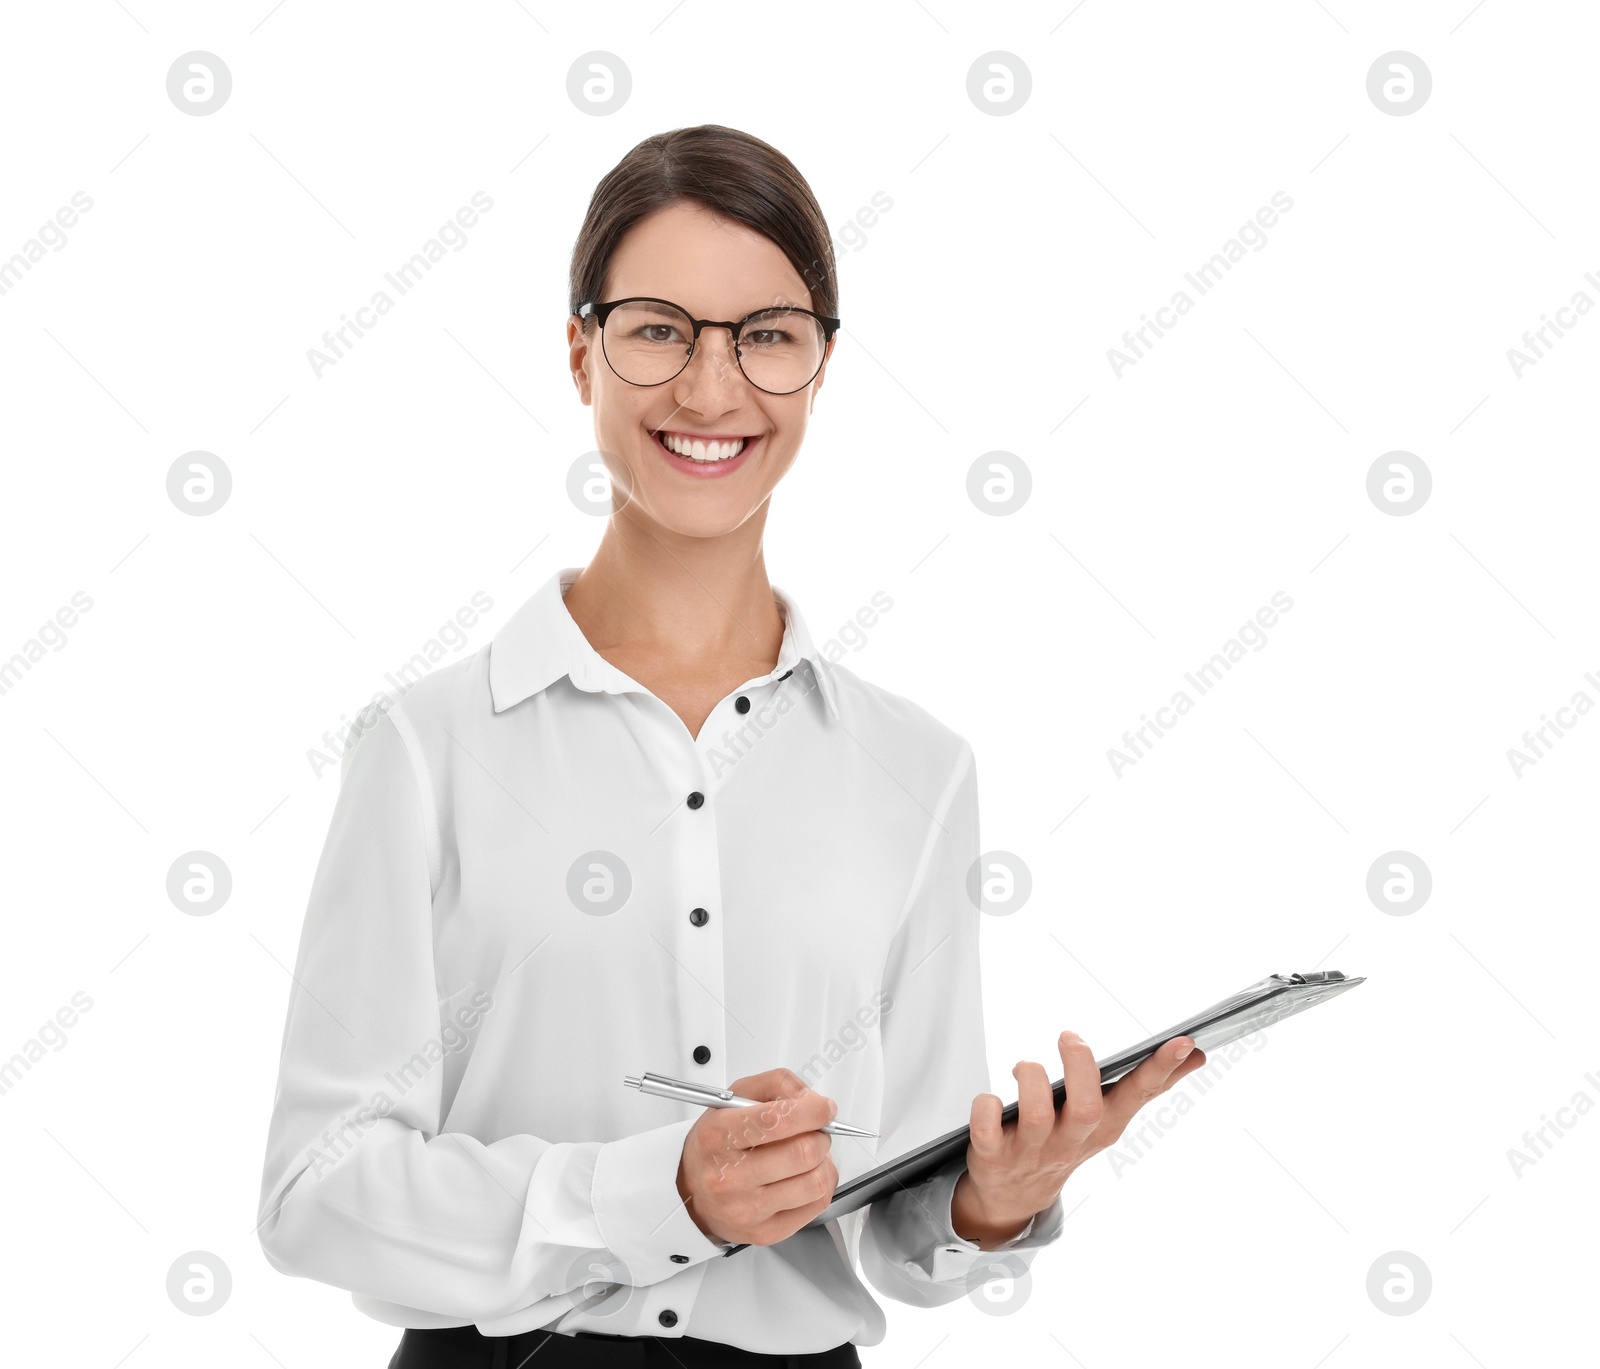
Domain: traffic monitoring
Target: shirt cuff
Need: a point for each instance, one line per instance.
(954, 1256)
(642, 1219)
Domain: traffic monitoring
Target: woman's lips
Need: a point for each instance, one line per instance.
(705, 470)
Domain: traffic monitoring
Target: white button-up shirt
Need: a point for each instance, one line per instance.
(535, 882)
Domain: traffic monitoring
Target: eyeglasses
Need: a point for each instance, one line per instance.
(649, 341)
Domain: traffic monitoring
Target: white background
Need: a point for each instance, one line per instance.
(1228, 463)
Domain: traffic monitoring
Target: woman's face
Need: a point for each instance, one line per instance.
(714, 268)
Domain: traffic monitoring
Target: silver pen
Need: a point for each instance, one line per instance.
(659, 1086)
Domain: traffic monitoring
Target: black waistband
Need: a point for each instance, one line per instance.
(465, 1347)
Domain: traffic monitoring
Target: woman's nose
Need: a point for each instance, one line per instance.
(713, 362)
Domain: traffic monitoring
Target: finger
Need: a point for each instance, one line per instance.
(811, 1188)
(765, 1122)
(1036, 1104)
(1084, 1104)
(780, 1160)
(769, 1084)
(779, 1226)
(744, 1161)
(783, 1085)
(1169, 1063)
(988, 1132)
(1196, 1061)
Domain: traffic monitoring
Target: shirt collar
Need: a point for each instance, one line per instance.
(541, 642)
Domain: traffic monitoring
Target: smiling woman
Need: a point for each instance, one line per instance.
(550, 822)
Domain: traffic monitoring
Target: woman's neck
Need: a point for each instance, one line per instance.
(692, 606)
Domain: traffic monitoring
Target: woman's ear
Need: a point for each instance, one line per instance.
(578, 358)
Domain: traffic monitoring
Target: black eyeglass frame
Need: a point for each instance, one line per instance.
(600, 312)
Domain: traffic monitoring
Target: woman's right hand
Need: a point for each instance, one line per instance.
(755, 1175)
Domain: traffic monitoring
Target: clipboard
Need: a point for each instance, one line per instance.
(1262, 1004)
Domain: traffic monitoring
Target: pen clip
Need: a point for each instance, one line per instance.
(689, 1084)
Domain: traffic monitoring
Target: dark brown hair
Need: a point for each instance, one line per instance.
(726, 170)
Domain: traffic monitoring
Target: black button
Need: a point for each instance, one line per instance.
(679, 1259)
(699, 916)
(702, 1054)
(668, 1318)
(786, 674)
(696, 799)
(742, 704)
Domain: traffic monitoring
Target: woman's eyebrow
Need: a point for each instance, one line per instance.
(776, 302)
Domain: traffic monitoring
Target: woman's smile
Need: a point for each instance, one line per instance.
(704, 455)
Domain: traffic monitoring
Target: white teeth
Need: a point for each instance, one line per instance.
(702, 451)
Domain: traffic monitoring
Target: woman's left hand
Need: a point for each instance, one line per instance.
(1016, 1170)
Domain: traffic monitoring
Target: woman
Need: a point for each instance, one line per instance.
(651, 828)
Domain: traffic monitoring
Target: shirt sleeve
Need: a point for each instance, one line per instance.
(362, 1188)
(935, 1062)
